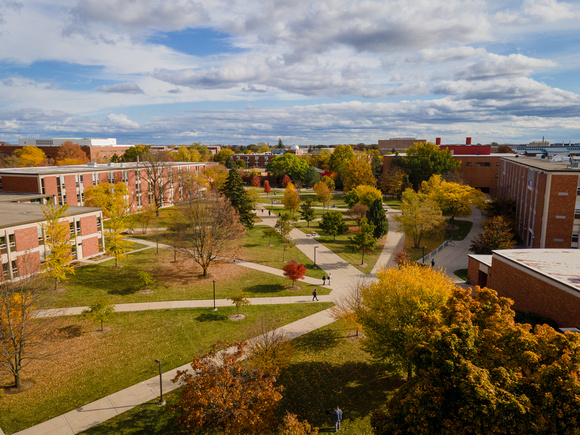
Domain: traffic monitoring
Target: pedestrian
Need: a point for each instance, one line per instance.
(337, 417)
(314, 295)
(269, 212)
(280, 214)
(432, 262)
(323, 279)
(328, 278)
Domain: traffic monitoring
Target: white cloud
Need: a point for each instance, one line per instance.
(121, 121)
(122, 88)
(493, 65)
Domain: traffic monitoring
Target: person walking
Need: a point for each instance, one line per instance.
(337, 417)
(328, 278)
(314, 295)
(323, 279)
(432, 262)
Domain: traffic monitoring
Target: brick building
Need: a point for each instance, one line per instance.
(258, 160)
(398, 144)
(543, 281)
(67, 184)
(547, 196)
(22, 239)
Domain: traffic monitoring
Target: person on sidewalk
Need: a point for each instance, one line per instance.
(337, 417)
(328, 278)
(432, 262)
(314, 295)
(323, 279)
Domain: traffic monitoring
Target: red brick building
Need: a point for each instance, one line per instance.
(543, 281)
(254, 160)
(547, 196)
(22, 238)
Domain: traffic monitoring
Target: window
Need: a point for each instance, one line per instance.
(2, 244)
(43, 189)
(467, 163)
(12, 240)
(5, 270)
(40, 236)
(95, 179)
(483, 164)
(77, 180)
(14, 269)
(99, 224)
(1, 185)
(574, 238)
(125, 177)
(72, 228)
(78, 224)
(111, 177)
(497, 164)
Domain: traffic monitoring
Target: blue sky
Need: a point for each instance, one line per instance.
(309, 72)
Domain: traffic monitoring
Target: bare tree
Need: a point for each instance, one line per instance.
(208, 228)
(159, 177)
(269, 346)
(22, 337)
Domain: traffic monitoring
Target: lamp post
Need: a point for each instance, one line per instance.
(315, 248)
(161, 402)
(424, 254)
(214, 308)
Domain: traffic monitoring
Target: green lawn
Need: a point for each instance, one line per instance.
(175, 281)
(87, 365)
(461, 273)
(431, 243)
(336, 201)
(328, 369)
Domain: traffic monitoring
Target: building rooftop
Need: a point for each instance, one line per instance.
(483, 259)
(20, 197)
(562, 265)
(14, 214)
(543, 164)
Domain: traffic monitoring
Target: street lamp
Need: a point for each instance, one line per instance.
(214, 308)
(424, 254)
(160, 402)
(315, 248)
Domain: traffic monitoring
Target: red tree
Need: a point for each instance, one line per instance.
(294, 270)
(267, 189)
(255, 181)
(285, 181)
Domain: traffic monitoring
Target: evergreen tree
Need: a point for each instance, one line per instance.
(307, 210)
(235, 192)
(376, 216)
(280, 144)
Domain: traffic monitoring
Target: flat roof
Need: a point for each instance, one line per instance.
(483, 259)
(562, 265)
(73, 169)
(16, 196)
(16, 214)
(543, 164)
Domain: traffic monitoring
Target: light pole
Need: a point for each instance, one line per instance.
(161, 402)
(424, 254)
(315, 248)
(214, 308)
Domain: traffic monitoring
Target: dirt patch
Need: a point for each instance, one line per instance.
(145, 292)
(293, 287)
(237, 317)
(27, 384)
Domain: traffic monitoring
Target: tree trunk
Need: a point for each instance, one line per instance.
(362, 260)
(17, 380)
(284, 253)
(204, 270)
(55, 284)
(174, 254)
(116, 261)
(102, 329)
(409, 371)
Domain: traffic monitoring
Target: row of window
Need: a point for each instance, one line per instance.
(486, 164)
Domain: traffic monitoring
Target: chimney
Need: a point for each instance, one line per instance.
(437, 141)
(467, 141)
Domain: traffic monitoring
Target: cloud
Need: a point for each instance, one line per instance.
(493, 65)
(121, 121)
(122, 88)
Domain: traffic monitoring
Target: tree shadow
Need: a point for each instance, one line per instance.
(70, 331)
(318, 340)
(211, 317)
(265, 288)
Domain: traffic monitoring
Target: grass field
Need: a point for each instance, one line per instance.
(87, 365)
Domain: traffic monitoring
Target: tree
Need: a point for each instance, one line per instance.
(358, 172)
(269, 348)
(70, 153)
(283, 229)
(291, 425)
(502, 206)
(100, 312)
(364, 240)
(288, 164)
(135, 153)
(323, 193)
(216, 176)
(57, 248)
(329, 182)
(294, 271)
(339, 159)
(505, 149)
(285, 181)
(207, 228)
(22, 336)
(233, 189)
(496, 235)
(423, 160)
(255, 181)
(220, 393)
(143, 218)
(310, 177)
(187, 154)
(307, 211)
(222, 155)
(159, 178)
(394, 181)
(30, 155)
(392, 308)
(239, 300)
(420, 215)
(333, 223)
(376, 163)
(346, 309)
(291, 200)
(454, 199)
(376, 216)
(363, 194)
(267, 188)
(480, 372)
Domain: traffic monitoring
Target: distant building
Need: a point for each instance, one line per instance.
(386, 146)
(257, 160)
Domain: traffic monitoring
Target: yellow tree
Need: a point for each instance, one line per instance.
(30, 156)
(185, 154)
(358, 172)
(420, 215)
(57, 249)
(113, 199)
(454, 199)
(291, 200)
(216, 176)
(323, 193)
(392, 309)
(346, 309)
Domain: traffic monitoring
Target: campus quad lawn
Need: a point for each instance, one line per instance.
(88, 365)
(461, 231)
(174, 281)
(328, 369)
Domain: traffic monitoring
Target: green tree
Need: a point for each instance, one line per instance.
(30, 155)
(376, 216)
(376, 163)
(329, 182)
(187, 154)
(364, 240)
(135, 153)
(311, 177)
(239, 300)
(392, 309)
(496, 235)
(423, 160)
(222, 155)
(333, 223)
(100, 312)
(363, 194)
(358, 172)
(420, 215)
(291, 200)
(57, 248)
(280, 144)
(307, 210)
(288, 164)
(234, 190)
(338, 161)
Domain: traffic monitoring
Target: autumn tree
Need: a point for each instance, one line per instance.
(288, 164)
(294, 271)
(392, 309)
(364, 241)
(339, 160)
(333, 223)
(187, 154)
(143, 218)
(285, 181)
(329, 182)
(357, 212)
(477, 371)
(323, 193)
(394, 181)
(135, 153)
(269, 348)
(158, 176)
(267, 188)
(503, 206)
(30, 155)
(283, 229)
(496, 234)
(420, 215)
(255, 181)
(70, 153)
(233, 189)
(220, 393)
(239, 300)
(346, 308)
(291, 200)
(216, 176)
(376, 216)
(358, 172)
(423, 160)
(57, 248)
(99, 312)
(363, 194)
(291, 425)
(222, 155)
(208, 228)
(307, 211)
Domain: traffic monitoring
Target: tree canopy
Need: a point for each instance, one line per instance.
(496, 234)
(333, 223)
(420, 215)
(30, 155)
(424, 160)
(291, 200)
(58, 254)
(70, 153)
(358, 172)
(376, 216)
(288, 164)
(233, 189)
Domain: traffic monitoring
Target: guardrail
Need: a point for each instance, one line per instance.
(436, 250)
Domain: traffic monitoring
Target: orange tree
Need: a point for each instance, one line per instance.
(294, 270)
(220, 394)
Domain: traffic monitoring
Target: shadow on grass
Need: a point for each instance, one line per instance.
(318, 340)
(265, 288)
(211, 317)
(71, 331)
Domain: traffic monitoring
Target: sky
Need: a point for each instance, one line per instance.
(306, 71)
